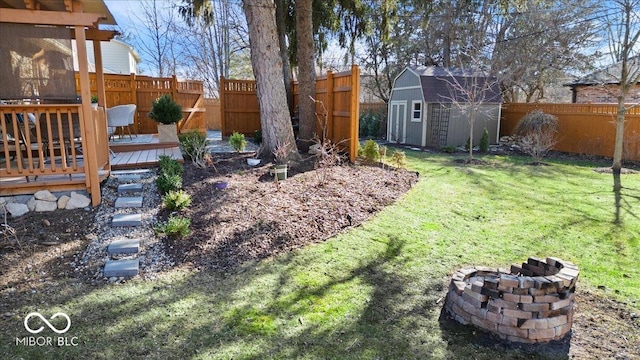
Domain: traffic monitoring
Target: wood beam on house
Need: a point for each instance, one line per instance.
(32, 4)
(99, 35)
(40, 17)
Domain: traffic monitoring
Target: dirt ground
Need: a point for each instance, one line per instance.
(256, 218)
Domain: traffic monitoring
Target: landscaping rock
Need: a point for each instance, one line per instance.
(62, 202)
(46, 206)
(45, 195)
(16, 210)
(31, 204)
(77, 201)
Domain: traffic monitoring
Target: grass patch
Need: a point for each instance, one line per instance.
(374, 291)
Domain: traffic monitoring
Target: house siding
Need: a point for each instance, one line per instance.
(116, 58)
(604, 95)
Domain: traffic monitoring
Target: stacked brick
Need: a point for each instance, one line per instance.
(532, 302)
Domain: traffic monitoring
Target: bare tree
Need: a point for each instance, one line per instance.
(213, 42)
(471, 91)
(623, 28)
(156, 36)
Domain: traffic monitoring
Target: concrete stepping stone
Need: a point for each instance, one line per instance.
(130, 172)
(129, 188)
(122, 179)
(122, 268)
(126, 220)
(129, 202)
(124, 246)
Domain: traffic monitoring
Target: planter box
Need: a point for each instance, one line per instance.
(168, 133)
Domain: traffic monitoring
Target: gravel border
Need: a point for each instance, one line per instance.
(152, 255)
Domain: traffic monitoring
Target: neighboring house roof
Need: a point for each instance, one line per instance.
(448, 84)
(608, 75)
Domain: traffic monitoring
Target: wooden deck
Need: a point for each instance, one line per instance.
(143, 158)
(138, 153)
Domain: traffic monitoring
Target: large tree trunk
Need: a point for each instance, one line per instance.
(267, 69)
(306, 72)
(281, 24)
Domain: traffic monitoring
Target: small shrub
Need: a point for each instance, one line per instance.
(194, 146)
(176, 200)
(237, 141)
(257, 136)
(484, 141)
(448, 149)
(166, 182)
(169, 165)
(176, 226)
(165, 111)
(370, 123)
(399, 159)
(371, 151)
(537, 132)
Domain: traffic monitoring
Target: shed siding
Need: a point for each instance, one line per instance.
(414, 129)
(407, 79)
(405, 96)
(458, 133)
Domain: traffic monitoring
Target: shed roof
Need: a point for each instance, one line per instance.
(441, 84)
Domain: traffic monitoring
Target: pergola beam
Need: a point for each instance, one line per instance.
(99, 35)
(40, 17)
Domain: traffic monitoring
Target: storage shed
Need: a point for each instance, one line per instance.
(429, 106)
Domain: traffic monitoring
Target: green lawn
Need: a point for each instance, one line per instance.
(375, 291)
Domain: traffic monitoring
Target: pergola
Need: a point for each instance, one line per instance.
(82, 19)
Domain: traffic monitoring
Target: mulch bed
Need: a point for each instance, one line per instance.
(256, 217)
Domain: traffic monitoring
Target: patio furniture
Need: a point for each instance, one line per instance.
(120, 116)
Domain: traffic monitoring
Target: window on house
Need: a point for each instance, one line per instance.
(416, 107)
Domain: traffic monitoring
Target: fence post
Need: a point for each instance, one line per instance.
(330, 102)
(221, 95)
(134, 100)
(355, 112)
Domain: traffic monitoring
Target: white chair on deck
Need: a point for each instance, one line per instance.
(120, 116)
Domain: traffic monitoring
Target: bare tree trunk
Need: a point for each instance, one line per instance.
(306, 73)
(619, 142)
(267, 69)
(281, 19)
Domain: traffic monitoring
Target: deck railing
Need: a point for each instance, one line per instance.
(42, 142)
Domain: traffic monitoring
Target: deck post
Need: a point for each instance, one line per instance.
(87, 121)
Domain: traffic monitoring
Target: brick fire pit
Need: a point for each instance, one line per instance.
(531, 303)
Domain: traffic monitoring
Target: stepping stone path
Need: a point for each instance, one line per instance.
(123, 260)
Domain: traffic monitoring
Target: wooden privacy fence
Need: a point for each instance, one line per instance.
(583, 128)
(212, 114)
(142, 90)
(338, 92)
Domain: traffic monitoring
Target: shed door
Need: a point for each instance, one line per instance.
(397, 121)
